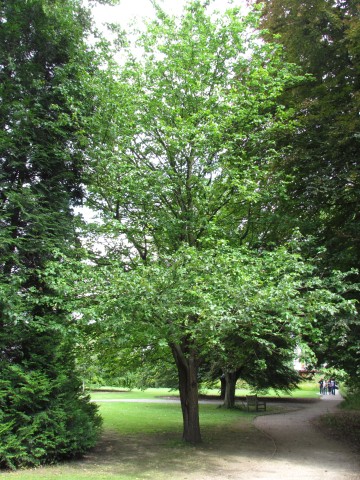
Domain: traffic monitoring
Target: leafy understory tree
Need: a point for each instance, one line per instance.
(296, 305)
(184, 153)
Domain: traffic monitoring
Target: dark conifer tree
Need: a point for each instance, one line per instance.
(44, 103)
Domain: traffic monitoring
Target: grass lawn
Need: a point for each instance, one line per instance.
(143, 440)
(305, 390)
(140, 441)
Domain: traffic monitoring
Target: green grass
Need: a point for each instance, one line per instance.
(132, 394)
(305, 390)
(141, 418)
(134, 429)
(352, 401)
(149, 418)
(158, 425)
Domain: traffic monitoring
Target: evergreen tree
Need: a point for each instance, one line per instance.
(45, 67)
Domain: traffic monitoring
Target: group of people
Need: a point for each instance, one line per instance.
(327, 387)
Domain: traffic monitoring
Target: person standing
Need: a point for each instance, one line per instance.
(321, 385)
(325, 387)
(329, 386)
(332, 386)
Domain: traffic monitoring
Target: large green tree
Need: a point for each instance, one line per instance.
(323, 37)
(45, 77)
(189, 132)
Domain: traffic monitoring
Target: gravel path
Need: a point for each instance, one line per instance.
(301, 451)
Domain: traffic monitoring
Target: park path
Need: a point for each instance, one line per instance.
(288, 446)
(301, 451)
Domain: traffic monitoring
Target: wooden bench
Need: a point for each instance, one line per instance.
(255, 401)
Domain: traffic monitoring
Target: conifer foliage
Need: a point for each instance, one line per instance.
(44, 64)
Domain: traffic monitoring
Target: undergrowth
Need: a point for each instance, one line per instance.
(345, 426)
(346, 423)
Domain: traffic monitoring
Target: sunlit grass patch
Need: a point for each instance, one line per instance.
(307, 389)
(141, 418)
(146, 418)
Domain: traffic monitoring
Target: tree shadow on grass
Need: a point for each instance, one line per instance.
(166, 456)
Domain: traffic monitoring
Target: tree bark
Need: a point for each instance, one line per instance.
(230, 379)
(223, 387)
(187, 366)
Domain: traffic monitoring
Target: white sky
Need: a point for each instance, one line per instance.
(128, 10)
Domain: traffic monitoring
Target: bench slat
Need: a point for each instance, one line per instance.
(255, 401)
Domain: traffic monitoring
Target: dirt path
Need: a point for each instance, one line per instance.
(301, 450)
(289, 446)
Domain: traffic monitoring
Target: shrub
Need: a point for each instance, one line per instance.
(44, 416)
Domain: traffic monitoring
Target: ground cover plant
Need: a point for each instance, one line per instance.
(344, 425)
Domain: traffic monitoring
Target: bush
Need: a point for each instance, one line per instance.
(44, 416)
(350, 391)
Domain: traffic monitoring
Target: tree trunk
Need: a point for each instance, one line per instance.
(223, 386)
(188, 385)
(230, 379)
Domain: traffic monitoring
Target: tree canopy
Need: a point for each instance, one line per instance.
(189, 153)
(323, 197)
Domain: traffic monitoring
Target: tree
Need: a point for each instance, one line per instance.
(189, 149)
(264, 361)
(322, 38)
(195, 298)
(45, 73)
(323, 197)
